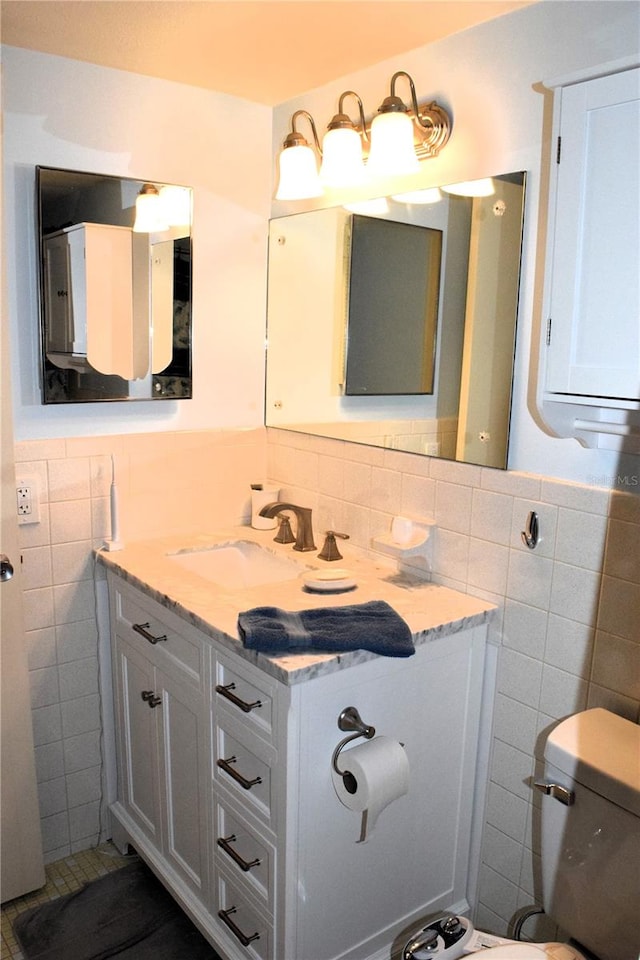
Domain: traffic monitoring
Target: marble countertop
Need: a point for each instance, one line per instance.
(431, 611)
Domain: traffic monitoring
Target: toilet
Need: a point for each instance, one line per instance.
(590, 824)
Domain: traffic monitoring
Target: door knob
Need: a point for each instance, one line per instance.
(6, 568)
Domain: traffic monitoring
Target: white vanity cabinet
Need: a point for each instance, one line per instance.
(161, 735)
(225, 785)
(591, 353)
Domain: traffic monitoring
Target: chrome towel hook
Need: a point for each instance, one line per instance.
(530, 535)
(350, 719)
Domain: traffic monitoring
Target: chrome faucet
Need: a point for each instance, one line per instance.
(304, 530)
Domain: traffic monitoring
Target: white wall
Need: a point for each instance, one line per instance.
(64, 113)
(489, 79)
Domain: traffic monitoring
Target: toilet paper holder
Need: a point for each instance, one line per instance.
(350, 719)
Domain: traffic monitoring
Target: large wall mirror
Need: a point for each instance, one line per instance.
(431, 310)
(115, 292)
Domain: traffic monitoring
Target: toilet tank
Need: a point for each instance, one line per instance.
(591, 848)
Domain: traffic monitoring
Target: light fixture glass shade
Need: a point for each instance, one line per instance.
(472, 188)
(378, 207)
(176, 205)
(298, 174)
(149, 213)
(392, 150)
(342, 164)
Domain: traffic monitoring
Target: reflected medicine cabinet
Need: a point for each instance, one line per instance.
(115, 303)
(591, 348)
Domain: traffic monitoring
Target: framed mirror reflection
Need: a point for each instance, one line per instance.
(115, 287)
(442, 380)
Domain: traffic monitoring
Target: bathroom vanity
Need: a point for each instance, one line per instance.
(224, 757)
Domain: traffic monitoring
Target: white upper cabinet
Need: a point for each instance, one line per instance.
(591, 353)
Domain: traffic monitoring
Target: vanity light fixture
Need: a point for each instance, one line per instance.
(342, 159)
(149, 212)
(393, 144)
(298, 168)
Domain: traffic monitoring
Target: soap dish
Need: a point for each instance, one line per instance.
(334, 580)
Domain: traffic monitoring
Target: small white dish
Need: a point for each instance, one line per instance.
(331, 580)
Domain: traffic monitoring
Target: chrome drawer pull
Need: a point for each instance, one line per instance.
(149, 697)
(143, 630)
(242, 937)
(226, 766)
(557, 791)
(225, 843)
(225, 691)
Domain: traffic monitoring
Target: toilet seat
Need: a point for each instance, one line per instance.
(530, 951)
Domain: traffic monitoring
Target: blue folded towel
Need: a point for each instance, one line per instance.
(373, 626)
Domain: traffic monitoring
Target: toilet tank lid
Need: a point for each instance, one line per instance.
(601, 751)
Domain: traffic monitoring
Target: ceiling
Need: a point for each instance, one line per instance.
(268, 51)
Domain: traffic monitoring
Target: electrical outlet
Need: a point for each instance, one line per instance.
(28, 500)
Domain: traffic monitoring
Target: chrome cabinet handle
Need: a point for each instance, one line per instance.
(149, 697)
(226, 766)
(143, 630)
(246, 865)
(235, 930)
(557, 791)
(225, 691)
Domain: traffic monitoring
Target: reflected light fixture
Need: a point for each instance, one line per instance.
(149, 213)
(298, 169)
(378, 207)
(471, 188)
(431, 195)
(396, 140)
(176, 205)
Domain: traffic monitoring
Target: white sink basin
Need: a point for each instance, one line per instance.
(237, 565)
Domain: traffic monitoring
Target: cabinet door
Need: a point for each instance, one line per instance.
(183, 771)
(594, 337)
(138, 788)
(58, 295)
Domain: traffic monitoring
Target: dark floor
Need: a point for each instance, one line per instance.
(63, 876)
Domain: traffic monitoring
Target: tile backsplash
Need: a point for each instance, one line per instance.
(569, 611)
(567, 624)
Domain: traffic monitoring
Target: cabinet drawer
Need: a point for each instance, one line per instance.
(148, 627)
(242, 920)
(247, 696)
(245, 854)
(243, 766)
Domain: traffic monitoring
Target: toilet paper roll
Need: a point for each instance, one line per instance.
(259, 499)
(379, 772)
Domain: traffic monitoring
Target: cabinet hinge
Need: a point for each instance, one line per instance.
(548, 338)
(559, 150)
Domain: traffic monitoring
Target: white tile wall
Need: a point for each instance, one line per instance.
(569, 622)
(568, 619)
(58, 579)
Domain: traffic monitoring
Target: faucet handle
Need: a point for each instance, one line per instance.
(330, 549)
(285, 533)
